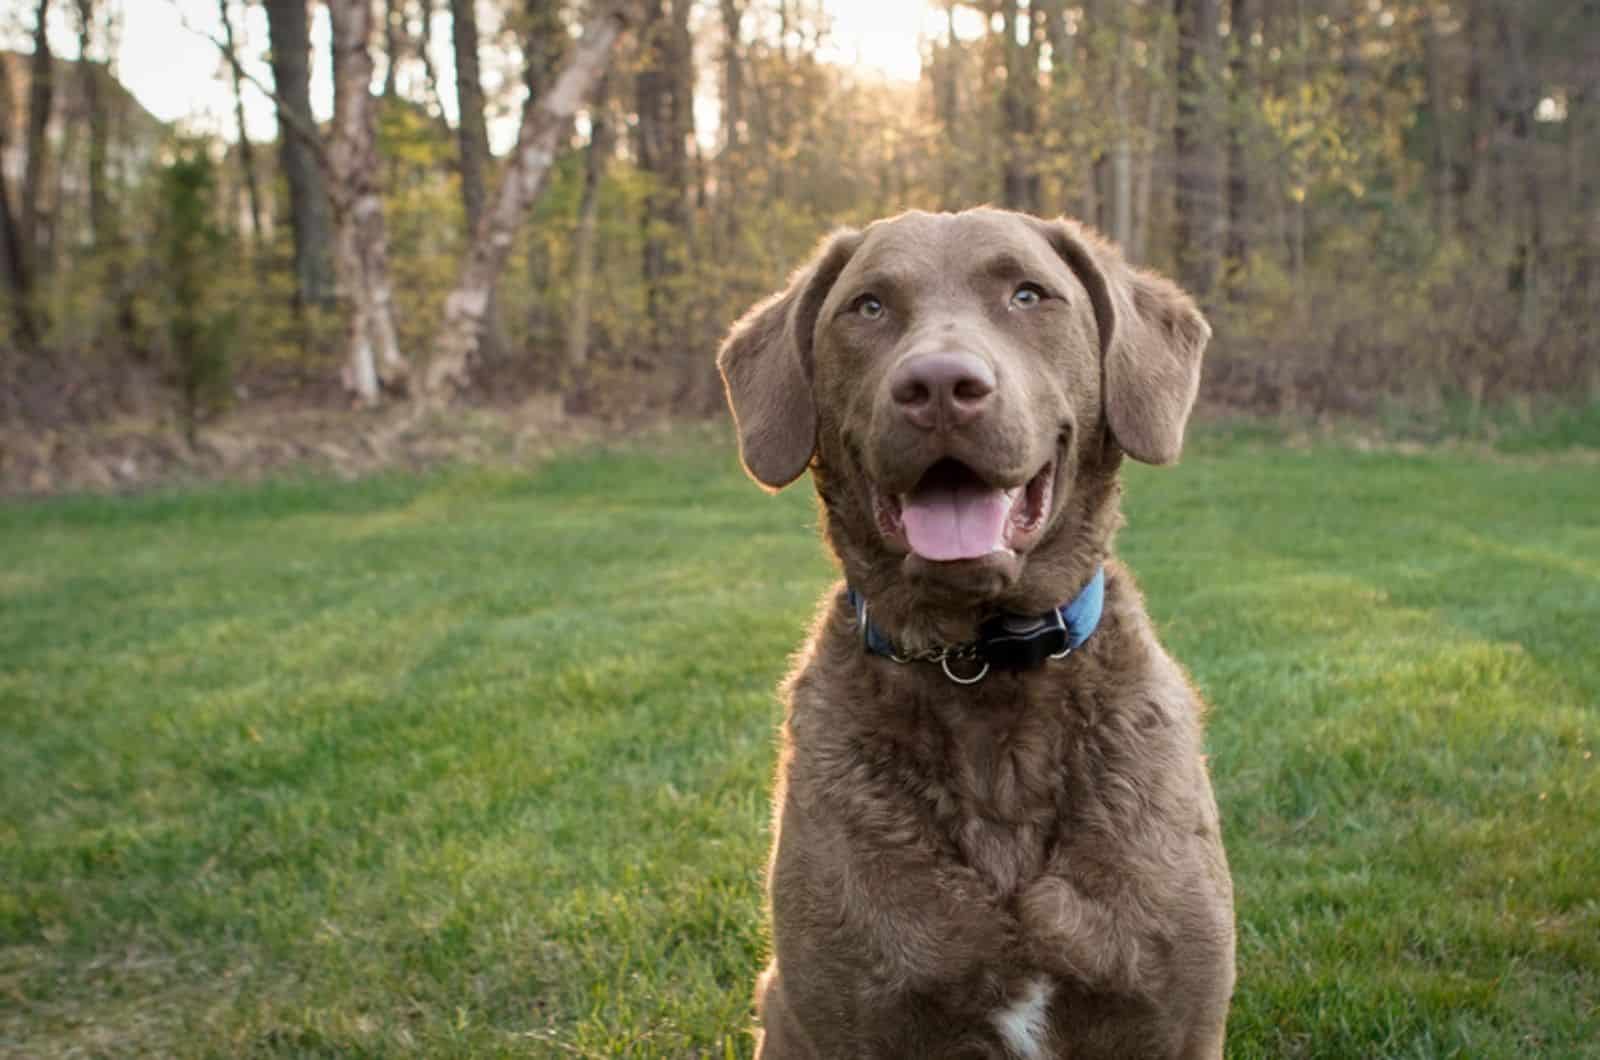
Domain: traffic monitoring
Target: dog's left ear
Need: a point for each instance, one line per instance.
(766, 366)
(1151, 340)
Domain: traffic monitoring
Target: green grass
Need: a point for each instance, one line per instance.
(476, 763)
(1521, 425)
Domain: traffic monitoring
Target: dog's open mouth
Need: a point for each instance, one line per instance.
(952, 513)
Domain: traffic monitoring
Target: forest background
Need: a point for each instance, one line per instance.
(1390, 209)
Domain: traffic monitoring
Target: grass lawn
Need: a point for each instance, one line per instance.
(477, 763)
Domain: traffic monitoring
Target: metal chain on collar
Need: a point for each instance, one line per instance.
(968, 652)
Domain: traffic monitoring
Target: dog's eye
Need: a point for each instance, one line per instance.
(1027, 296)
(869, 306)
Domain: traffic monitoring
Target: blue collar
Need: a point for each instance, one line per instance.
(1006, 641)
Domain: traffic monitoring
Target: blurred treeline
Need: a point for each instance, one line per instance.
(1374, 199)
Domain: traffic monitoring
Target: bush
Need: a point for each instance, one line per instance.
(192, 251)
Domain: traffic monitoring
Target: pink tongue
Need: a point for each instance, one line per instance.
(955, 522)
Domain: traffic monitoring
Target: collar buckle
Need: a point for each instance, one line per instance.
(1020, 642)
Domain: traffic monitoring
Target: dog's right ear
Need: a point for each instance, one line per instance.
(766, 366)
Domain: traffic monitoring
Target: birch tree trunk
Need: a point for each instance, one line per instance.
(362, 245)
(544, 120)
(247, 159)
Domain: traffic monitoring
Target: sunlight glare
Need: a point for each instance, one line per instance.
(888, 36)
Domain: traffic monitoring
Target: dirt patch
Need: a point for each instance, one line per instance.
(132, 452)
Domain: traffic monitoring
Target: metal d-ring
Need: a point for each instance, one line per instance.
(1061, 624)
(944, 664)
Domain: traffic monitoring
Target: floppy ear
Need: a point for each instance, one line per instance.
(766, 366)
(1151, 339)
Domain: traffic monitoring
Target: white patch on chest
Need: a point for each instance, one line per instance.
(1025, 1022)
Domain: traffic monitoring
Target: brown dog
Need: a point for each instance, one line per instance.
(995, 832)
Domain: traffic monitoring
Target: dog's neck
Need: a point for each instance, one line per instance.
(922, 616)
(1006, 641)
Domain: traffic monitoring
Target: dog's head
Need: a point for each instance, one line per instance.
(963, 387)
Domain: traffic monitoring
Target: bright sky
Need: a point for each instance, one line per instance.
(179, 75)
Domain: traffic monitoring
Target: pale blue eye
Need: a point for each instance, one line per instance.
(1027, 296)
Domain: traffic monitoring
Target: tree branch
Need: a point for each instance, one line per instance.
(297, 125)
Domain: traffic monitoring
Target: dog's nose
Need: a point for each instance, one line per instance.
(948, 388)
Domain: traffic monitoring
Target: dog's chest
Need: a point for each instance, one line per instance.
(999, 783)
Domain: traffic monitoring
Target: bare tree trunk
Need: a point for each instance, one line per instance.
(16, 269)
(695, 372)
(1144, 180)
(1199, 157)
(1019, 108)
(1096, 183)
(289, 33)
(40, 96)
(595, 159)
(731, 178)
(544, 119)
(1438, 120)
(652, 88)
(13, 257)
(247, 159)
(1473, 173)
(1521, 97)
(947, 103)
(101, 221)
(1057, 112)
(1237, 252)
(102, 216)
(473, 136)
(1297, 205)
(1121, 145)
(373, 351)
(430, 73)
(543, 45)
(393, 26)
(662, 157)
(473, 133)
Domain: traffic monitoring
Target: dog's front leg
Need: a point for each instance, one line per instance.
(781, 1036)
(867, 922)
(935, 928)
(1090, 940)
